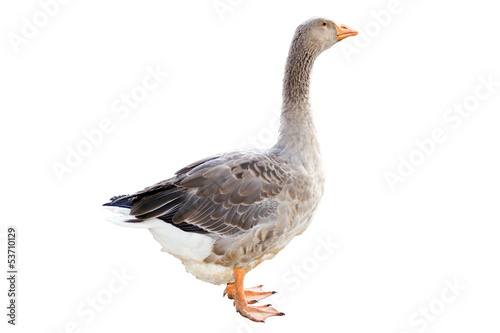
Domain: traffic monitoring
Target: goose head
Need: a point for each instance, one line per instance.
(319, 34)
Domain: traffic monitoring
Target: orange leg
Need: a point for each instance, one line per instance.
(243, 297)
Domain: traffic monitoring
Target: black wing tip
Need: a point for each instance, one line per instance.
(123, 200)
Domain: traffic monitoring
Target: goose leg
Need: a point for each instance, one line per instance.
(243, 297)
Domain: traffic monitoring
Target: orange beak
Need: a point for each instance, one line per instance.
(343, 31)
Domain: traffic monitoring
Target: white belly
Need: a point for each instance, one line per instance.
(191, 248)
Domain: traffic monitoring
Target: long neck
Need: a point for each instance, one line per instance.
(297, 128)
(296, 81)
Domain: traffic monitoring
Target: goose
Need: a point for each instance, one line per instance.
(225, 214)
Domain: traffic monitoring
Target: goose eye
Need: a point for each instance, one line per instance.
(324, 23)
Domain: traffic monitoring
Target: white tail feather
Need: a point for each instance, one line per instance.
(124, 218)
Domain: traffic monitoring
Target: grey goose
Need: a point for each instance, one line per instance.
(223, 215)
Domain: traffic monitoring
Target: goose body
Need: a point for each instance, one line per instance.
(223, 215)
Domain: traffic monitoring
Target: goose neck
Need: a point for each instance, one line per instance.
(297, 79)
(297, 130)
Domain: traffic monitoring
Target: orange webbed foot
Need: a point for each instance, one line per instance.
(258, 313)
(243, 297)
(252, 295)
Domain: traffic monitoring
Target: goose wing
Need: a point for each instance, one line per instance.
(220, 195)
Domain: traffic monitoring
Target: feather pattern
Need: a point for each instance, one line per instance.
(221, 195)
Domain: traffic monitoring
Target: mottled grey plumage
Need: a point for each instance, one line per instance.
(249, 204)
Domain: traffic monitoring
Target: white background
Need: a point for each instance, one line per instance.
(396, 249)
